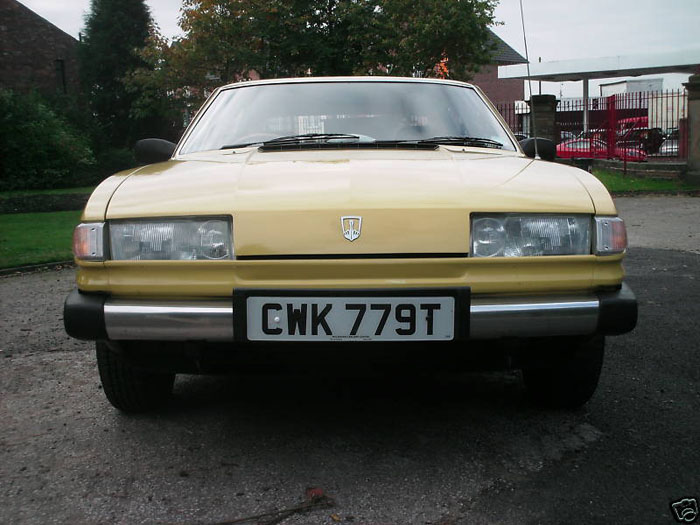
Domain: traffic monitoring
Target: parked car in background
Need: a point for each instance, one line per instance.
(595, 134)
(597, 149)
(672, 133)
(354, 217)
(626, 124)
(566, 135)
(669, 148)
(648, 140)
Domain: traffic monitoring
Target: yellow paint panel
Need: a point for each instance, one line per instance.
(99, 200)
(409, 201)
(219, 278)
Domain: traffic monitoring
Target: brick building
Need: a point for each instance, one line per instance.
(34, 53)
(500, 89)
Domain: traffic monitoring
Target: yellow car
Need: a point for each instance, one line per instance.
(348, 216)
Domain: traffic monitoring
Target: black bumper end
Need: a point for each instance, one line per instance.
(84, 317)
(618, 311)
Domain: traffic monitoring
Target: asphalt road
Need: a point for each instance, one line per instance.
(441, 450)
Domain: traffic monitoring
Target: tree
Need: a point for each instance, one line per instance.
(335, 37)
(156, 87)
(420, 34)
(227, 39)
(230, 40)
(114, 31)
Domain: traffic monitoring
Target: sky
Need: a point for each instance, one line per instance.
(556, 29)
(572, 29)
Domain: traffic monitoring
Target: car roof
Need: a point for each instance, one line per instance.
(312, 80)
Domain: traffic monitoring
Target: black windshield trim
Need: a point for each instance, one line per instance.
(348, 145)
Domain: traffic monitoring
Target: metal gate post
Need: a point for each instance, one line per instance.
(693, 87)
(611, 136)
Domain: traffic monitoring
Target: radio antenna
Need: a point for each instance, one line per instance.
(529, 83)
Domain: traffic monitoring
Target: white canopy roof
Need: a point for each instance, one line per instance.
(679, 61)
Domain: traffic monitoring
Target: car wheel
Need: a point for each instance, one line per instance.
(129, 388)
(571, 382)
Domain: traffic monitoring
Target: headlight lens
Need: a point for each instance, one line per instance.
(171, 239)
(610, 235)
(516, 235)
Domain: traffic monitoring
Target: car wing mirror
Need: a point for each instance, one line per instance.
(545, 147)
(149, 151)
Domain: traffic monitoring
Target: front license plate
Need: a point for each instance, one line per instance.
(350, 318)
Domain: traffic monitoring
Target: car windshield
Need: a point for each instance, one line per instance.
(343, 112)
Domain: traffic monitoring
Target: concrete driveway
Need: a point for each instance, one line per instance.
(671, 223)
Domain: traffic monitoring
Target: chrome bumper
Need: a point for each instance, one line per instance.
(176, 321)
(493, 317)
(101, 317)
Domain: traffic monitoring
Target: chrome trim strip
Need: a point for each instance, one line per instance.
(492, 317)
(169, 321)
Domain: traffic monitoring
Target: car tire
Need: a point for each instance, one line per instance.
(569, 383)
(129, 388)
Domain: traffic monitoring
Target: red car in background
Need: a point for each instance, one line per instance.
(586, 148)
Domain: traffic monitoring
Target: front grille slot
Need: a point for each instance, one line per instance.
(352, 256)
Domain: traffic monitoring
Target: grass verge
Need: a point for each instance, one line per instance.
(56, 191)
(618, 182)
(34, 238)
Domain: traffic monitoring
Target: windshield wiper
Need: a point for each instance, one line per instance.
(340, 138)
(305, 137)
(463, 141)
(235, 146)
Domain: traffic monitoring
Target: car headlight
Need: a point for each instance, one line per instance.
(205, 238)
(521, 235)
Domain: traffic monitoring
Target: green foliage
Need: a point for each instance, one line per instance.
(112, 160)
(33, 238)
(114, 32)
(151, 85)
(87, 190)
(229, 40)
(419, 34)
(40, 149)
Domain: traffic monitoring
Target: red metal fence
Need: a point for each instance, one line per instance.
(629, 126)
(514, 114)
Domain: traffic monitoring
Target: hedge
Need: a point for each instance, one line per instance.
(40, 148)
